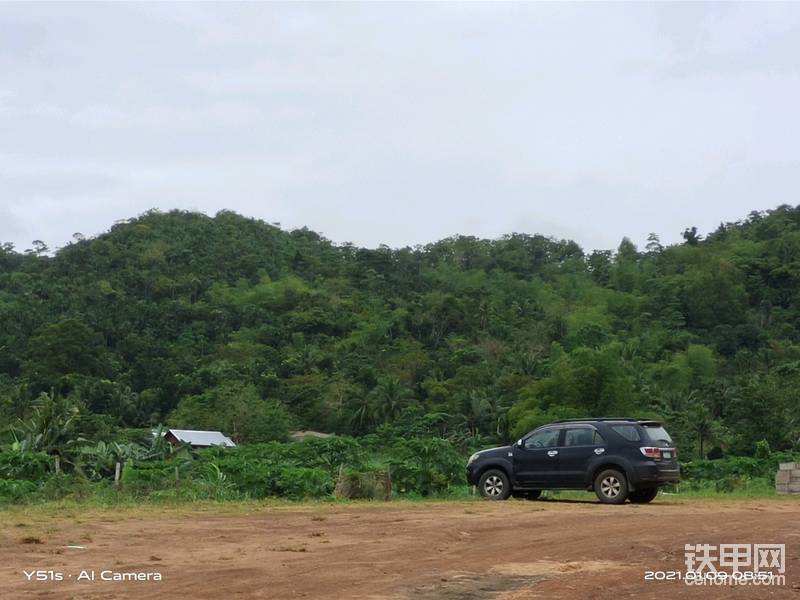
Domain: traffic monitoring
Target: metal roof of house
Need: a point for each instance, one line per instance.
(202, 438)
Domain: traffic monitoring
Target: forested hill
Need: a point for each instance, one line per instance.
(230, 323)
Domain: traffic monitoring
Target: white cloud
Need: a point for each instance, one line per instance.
(399, 123)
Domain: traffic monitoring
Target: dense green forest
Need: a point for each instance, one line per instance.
(231, 323)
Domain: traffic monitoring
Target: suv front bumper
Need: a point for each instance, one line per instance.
(472, 474)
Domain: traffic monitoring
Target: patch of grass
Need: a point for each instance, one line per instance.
(48, 516)
(726, 488)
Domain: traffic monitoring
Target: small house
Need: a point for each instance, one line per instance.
(198, 439)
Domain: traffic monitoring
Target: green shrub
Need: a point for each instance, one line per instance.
(715, 470)
(762, 450)
(250, 469)
(367, 485)
(734, 472)
(295, 470)
(419, 465)
(60, 485)
(213, 484)
(33, 466)
(142, 477)
(302, 482)
(16, 490)
(329, 453)
(424, 466)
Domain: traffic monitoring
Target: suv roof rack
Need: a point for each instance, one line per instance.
(599, 419)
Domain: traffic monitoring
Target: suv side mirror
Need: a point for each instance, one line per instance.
(519, 442)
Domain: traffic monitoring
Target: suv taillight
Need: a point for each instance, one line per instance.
(651, 452)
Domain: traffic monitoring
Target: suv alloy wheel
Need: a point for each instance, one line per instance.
(494, 485)
(611, 487)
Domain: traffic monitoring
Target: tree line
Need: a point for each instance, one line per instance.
(231, 323)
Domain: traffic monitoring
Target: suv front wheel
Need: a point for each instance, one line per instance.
(494, 485)
(611, 486)
(643, 496)
(528, 494)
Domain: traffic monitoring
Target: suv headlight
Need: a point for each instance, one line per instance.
(473, 458)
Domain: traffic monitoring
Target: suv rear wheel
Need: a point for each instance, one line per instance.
(611, 486)
(494, 485)
(643, 496)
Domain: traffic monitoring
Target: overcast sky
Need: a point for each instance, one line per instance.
(399, 123)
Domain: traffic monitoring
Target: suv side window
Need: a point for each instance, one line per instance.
(546, 438)
(629, 432)
(582, 436)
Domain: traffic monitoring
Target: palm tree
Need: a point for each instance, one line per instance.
(391, 396)
(478, 410)
(362, 410)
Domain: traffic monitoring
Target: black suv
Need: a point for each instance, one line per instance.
(620, 459)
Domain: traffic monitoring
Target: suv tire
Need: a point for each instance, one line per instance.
(527, 494)
(611, 486)
(643, 496)
(494, 485)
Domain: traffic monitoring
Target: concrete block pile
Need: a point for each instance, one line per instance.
(787, 479)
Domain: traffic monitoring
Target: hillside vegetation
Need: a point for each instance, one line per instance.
(230, 323)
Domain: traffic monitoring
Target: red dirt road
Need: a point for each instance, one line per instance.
(450, 550)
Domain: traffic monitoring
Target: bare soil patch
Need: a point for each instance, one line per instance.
(450, 550)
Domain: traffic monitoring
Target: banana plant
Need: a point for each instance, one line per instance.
(99, 461)
(50, 428)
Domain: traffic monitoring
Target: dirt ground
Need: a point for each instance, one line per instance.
(449, 550)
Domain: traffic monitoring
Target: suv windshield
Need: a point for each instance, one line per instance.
(657, 433)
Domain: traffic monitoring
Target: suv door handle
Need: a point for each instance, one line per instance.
(552, 452)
